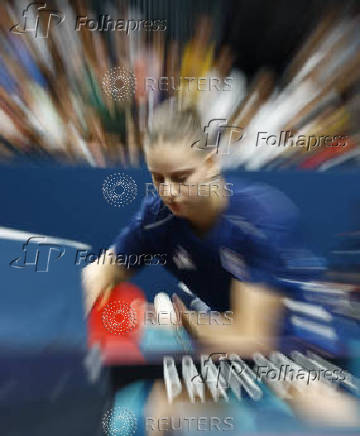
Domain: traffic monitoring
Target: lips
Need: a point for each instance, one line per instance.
(173, 205)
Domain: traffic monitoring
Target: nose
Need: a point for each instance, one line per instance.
(169, 189)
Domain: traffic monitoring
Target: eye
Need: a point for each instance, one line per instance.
(158, 178)
(179, 179)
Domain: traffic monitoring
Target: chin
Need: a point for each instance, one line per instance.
(178, 211)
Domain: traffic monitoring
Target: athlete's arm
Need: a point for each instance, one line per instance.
(263, 227)
(255, 322)
(257, 310)
(98, 278)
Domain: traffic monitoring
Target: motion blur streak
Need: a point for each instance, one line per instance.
(292, 68)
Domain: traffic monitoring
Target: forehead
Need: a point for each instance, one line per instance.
(169, 158)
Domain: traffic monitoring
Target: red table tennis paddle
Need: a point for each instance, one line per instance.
(120, 319)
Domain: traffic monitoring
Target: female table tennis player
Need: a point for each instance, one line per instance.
(232, 243)
(227, 241)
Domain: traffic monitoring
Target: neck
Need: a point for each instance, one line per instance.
(206, 213)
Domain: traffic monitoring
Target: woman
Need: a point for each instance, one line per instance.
(228, 242)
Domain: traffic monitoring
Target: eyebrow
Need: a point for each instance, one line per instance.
(176, 173)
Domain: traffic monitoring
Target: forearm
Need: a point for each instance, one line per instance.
(230, 339)
(98, 278)
(253, 326)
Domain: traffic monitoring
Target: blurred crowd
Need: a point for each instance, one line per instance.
(55, 104)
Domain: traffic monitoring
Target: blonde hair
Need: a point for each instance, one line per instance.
(174, 126)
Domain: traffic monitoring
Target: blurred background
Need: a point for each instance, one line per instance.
(293, 67)
(79, 83)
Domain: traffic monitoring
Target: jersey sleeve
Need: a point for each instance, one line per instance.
(274, 248)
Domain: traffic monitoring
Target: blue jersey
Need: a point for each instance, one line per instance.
(253, 240)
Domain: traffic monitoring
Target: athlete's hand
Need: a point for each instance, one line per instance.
(181, 312)
(99, 278)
